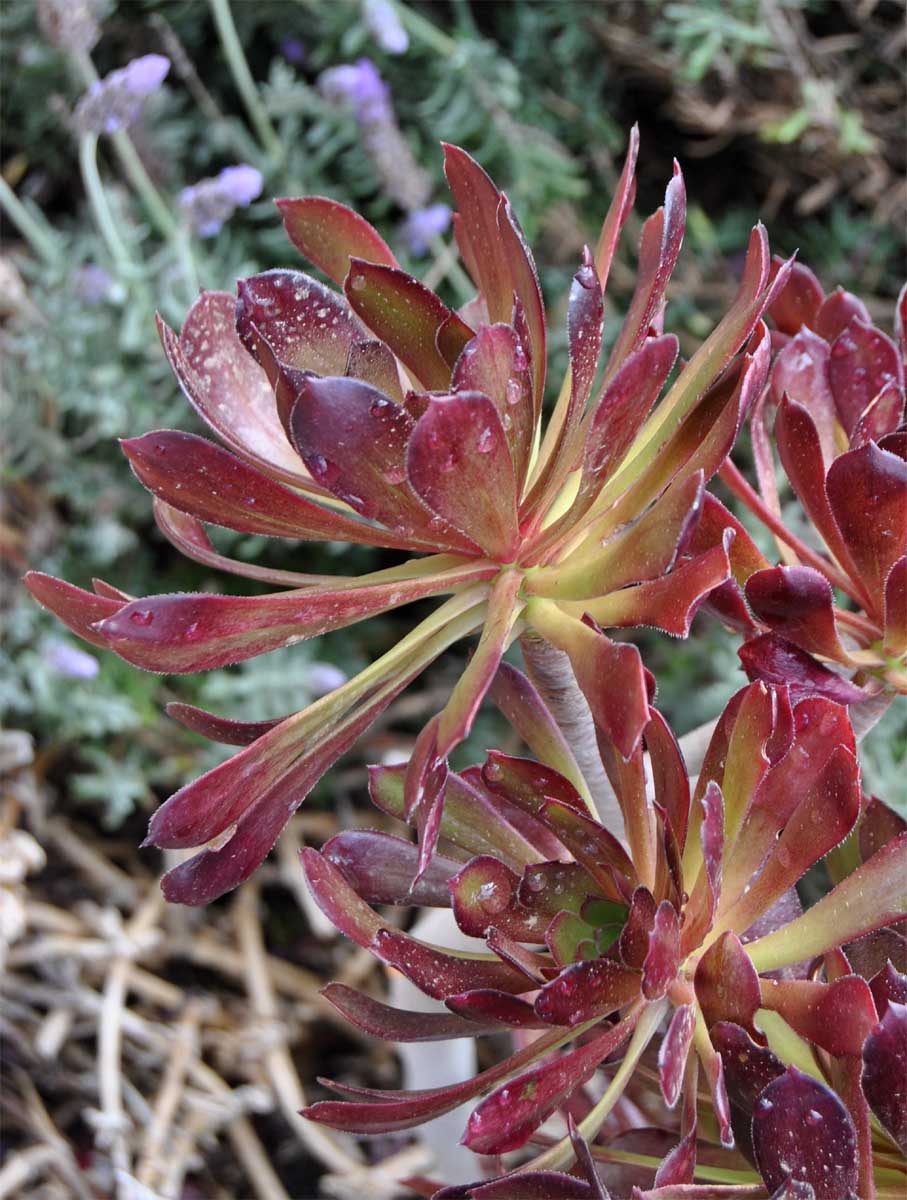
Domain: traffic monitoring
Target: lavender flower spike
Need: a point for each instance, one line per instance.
(66, 659)
(210, 202)
(116, 100)
(360, 85)
(383, 23)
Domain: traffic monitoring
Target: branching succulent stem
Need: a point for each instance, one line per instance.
(550, 671)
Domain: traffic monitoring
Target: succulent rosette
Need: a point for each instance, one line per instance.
(834, 412)
(377, 415)
(681, 954)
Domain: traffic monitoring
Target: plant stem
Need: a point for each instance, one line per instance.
(97, 198)
(551, 673)
(242, 77)
(41, 239)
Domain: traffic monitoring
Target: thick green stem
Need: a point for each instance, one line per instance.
(242, 77)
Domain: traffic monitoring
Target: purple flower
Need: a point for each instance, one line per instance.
(92, 284)
(69, 660)
(294, 51)
(115, 101)
(383, 24)
(361, 85)
(324, 677)
(423, 225)
(210, 202)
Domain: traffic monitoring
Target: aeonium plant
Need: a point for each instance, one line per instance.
(834, 410)
(690, 1028)
(377, 415)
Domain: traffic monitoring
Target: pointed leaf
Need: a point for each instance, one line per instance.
(491, 1006)
(197, 477)
(836, 312)
(227, 387)
(801, 371)
(374, 364)
(399, 1025)
(863, 361)
(79, 610)
(381, 868)
(507, 1118)
(797, 603)
(419, 328)
(836, 1016)
(870, 483)
(618, 211)
(353, 439)
(727, 986)
(459, 463)
(329, 234)
(587, 990)
(673, 1051)
(220, 729)
(778, 661)
(799, 300)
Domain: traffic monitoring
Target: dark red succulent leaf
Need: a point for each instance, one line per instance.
(798, 604)
(749, 1068)
(799, 301)
(659, 968)
(400, 1025)
(521, 1185)
(585, 990)
(484, 895)
(887, 985)
(836, 312)
(634, 939)
(329, 234)
(895, 610)
(884, 1078)
(879, 825)
(507, 1118)
(863, 361)
(79, 610)
(836, 1016)
(673, 1052)
(801, 372)
(801, 1130)
(219, 729)
(228, 389)
(490, 1005)
(459, 464)
(727, 986)
(381, 868)
(775, 660)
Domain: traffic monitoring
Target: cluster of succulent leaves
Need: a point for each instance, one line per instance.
(87, 371)
(374, 413)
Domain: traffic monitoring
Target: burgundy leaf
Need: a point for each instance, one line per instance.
(529, 1185)
(585, 320)
(585, 990)
(459, 463)
(484, 896)
(219, 729)
(670, 781)
(659, 246)
(872, 483)
(199, 478)
(801, 371)
(779, 662)
(799, 300)
(659, 969)
(491, 1005)
(227, 387)
(507, 1118)
(400, 1025)
(523, 707)
(886, 986)
(837, 311)
(798, 603)
(197, 631)
(529, 784)
(353, 439)
(469, 820)
(895, 642)
(618, 211)
(673, 1051)
(381, 868)
(837, 1016)
(879, 825)
(374, 364)
(419, 328)
(882, 417)
(706, 893)
(634, 939)
(79, 610)
(495, 364)
(884, 1079)
(727, 986)
(669, 603)
(386, 1112)
(527, 293)
(801, 1130)
(863, 361)
(748, 1069)
(329, 234)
